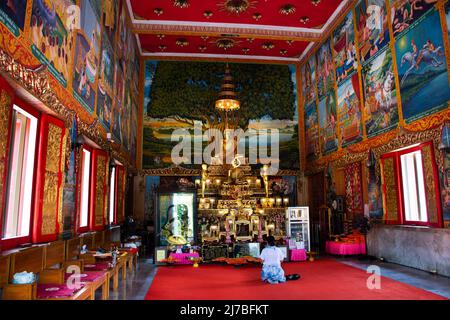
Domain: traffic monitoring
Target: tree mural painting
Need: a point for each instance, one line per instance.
(178, 94)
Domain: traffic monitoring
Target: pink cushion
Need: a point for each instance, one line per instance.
(87, 276)
(98, 266)
(48, 291)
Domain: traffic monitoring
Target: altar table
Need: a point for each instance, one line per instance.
(345, 249)
(298, 255)
(184, 258)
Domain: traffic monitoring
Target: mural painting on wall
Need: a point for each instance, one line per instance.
(374, 190)
(309, 81)
(344, 48)
(447, 17)
(372, 26)
(380, 95)
(422, 68)
(405, 12)
(104, 104)
(122, 37)
(52, 37)
(105, 83)
(70, 184)
(151, 185)
(328, 122)
(118, 105)
(179, 95)
(311, 131)
(12, 15)
(324, 69)
(109, 9)
(125, 115)
(349, 110)
(133, 131)
(86, 57)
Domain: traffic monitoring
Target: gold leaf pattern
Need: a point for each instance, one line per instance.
(51, 180)
(430, 184)
(390, 197)
(100, 190)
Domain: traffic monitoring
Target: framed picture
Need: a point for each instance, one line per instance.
(160, 255)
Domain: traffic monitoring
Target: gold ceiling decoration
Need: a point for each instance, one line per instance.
(161, 36)
(202, 48)
(225, 43)
(257, 16)
(182, 42)
(283, 51)
(181, 3)
(158, 11)
(207, 14)
(304, 19)
(287, 9)
(290, 42)
(245, 50)
(162, 47)
(204, 38)
(316, 2)
(236, 6)
(267, 45)
(250, 40)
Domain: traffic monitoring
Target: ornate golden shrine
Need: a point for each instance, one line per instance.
(233, 206)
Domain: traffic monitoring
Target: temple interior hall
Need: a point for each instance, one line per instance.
(248, 150)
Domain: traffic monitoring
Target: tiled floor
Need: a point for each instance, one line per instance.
(137, 283)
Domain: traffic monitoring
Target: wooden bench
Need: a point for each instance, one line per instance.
(33, 260)
(55, 256)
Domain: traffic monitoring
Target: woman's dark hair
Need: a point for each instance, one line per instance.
(271, 240)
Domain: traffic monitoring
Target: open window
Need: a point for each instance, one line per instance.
(85, 187)
(20, 182)
(112, 196)
(410, 186)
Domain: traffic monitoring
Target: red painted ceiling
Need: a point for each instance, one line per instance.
(268, 9)
(255, 16)
(211, 45)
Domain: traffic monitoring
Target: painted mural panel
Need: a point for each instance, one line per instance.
(312, 131)
(122, 37)
(328, 123)
(422, 68)
(110, 11)
(125, 118)
(372, 26)
(380, 95)
(447, 17)
(133, 129)
(405, 12)
(309, 81)
(104, 104)
(107, 64)
(344, 48)
(324, 69)
(118, 105)
(52, 37)
(180, 95)
(87, 48)
(349, 110)
(12, 15)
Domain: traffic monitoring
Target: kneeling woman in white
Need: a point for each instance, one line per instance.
(272, 257)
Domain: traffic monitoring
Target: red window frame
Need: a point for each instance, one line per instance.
(400, 191)
(15, 242)
(79, 184)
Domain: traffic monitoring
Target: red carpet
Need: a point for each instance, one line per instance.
(323, 279)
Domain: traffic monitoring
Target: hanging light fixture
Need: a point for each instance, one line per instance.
(227, 100)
